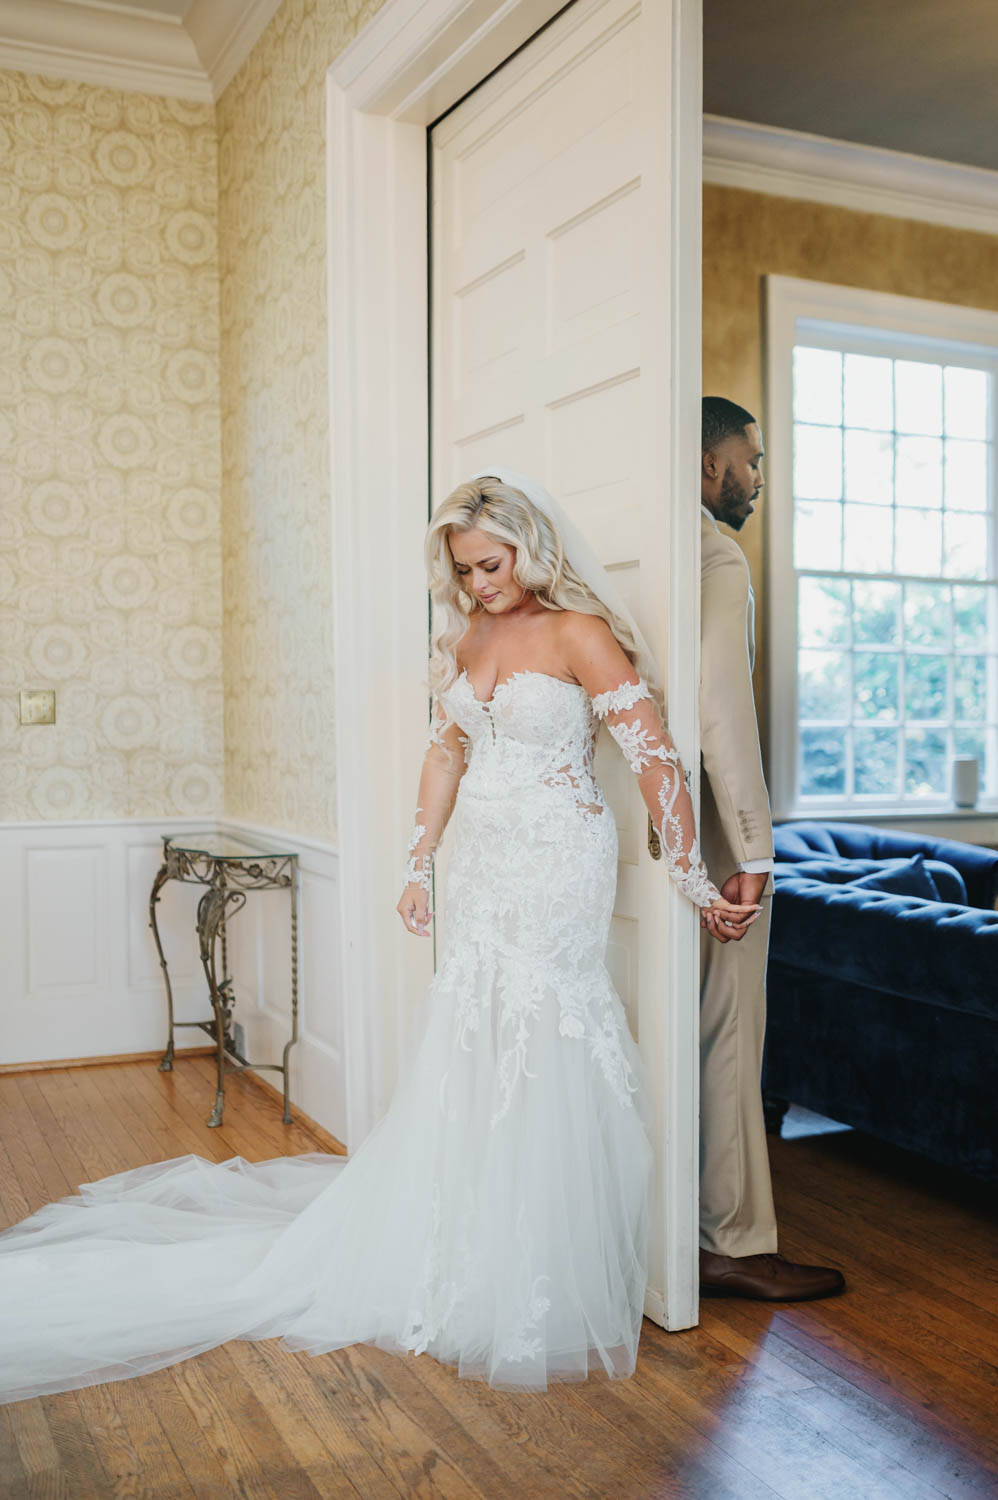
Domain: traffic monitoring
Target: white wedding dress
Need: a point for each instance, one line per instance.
(496, 1217)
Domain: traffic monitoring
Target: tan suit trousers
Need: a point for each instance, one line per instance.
(736, 1195)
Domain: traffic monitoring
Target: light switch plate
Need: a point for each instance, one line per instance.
(38, 707)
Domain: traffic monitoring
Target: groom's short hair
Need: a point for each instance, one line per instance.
(721, 419)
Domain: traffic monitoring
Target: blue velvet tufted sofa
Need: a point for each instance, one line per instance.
(883, 1008)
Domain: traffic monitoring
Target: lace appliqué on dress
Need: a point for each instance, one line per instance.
(419, 870)
(621, 698)
(438, 1294)
(646, 744)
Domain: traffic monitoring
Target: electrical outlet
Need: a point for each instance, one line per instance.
(239, 1037)
(38, 706)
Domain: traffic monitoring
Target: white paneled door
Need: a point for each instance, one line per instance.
(550, 351)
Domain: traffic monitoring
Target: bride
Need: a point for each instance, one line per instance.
(496, 1217)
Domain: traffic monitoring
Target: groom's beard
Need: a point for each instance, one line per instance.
(733, 501)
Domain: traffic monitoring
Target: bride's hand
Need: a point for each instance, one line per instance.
(414, 909)
(728, 922)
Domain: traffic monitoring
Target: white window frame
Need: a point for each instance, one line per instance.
(901, 326)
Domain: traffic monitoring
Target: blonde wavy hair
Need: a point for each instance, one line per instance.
(505, 514)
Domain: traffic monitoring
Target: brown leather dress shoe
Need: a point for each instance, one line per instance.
(766, 1278)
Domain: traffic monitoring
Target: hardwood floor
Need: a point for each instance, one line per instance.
(887, 1393)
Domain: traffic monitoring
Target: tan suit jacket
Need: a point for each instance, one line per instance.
(736, 1195)
(729, 731)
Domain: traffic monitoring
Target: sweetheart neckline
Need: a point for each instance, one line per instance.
(526, 672)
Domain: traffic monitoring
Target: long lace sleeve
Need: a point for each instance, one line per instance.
(649, 751)
(621, 698)
(443, 766)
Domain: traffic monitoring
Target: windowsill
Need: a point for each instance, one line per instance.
(987, 813)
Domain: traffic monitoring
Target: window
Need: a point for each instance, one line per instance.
(885, 626)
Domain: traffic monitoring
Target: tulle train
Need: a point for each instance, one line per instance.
(507, 1238)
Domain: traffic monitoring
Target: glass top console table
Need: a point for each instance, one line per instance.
(228, 868)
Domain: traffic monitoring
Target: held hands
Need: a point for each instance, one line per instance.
(729, 919)
(414, 909)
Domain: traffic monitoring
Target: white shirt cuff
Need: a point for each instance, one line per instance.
(755, 866)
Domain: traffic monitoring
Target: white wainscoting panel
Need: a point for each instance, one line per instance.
(67, 909)
(79, 974)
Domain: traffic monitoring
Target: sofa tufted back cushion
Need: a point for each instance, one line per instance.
(928, 951)
(802, 841)
(901, 877)
(966, 874)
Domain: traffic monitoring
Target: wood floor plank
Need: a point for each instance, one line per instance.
(43, 1472)
(489, 1427)
(936, 1285)
(835, 1419)
(79, 1456)
(115, 1444)
(75, 1128)
(936, 1448)
(888, 1259)
(39, 1173)
(163, 1135)
(187, 1133)
(959, 1388)
(13, 1480)
(324, 1445)
(61, 1146)
(258, 1106)
(134, 1133)
(204, 1471)
(969, 1329)
(129, 1149)
(242, 1132)
(361, 1386)
(763, 1433)
(252, 1455)
(439, 1401)
(14, 1202)
(568, 1429)
(161, 1471)
(752, 1344)
(685, 1466)
(830, 1174)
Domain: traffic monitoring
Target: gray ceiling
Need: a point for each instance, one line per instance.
(912, 75)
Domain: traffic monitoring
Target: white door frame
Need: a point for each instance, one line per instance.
(414, 60)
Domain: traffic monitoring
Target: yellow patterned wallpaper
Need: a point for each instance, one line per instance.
(277, 569)
(109, 452)
(747, 236)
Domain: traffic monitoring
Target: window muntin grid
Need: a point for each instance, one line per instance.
(893, 550)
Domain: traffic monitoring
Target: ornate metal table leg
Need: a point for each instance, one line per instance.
(166, 1062)
(211, 917)
(294, 995)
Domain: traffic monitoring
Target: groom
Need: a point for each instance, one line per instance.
(737, 1222)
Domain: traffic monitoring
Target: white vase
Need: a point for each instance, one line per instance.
(965, 780)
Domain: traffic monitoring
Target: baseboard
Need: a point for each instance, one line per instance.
(55, 1064)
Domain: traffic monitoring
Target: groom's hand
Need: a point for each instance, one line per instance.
(749, 888)
(741, 889)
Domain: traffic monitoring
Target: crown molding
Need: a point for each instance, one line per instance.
(127, 48)
(112, 70)
(225, 33)
(818, 169)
